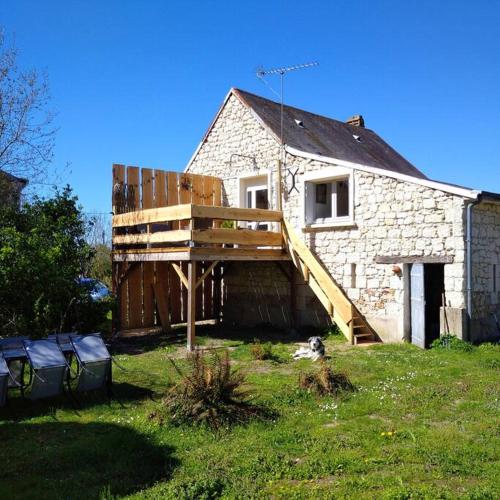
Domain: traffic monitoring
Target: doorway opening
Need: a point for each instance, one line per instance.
(426, 297)
(254, 193)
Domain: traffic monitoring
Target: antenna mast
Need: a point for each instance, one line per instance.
(261, 73)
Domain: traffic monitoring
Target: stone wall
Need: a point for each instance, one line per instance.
(391, 218)
(485, 264)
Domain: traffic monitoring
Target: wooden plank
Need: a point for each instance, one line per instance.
(237, 236)
(147, 188)
(207, 285)
(341, 303)
(163, 214)
(206, 272)
(175, 298)
(184, 292)
(185, 188)
(173, 194)
(134, 281)
(118, 194)
(133, 189)
(191, 306)
(199, 292)
(197, 190)
(148, 267)
(208, 190)
(160, 188)
(180, 273)
(240, 214)
(185, 253)
(174, 236)
(217, 192)
(161, 296)
(228, 254)
(123, 299)
(148, 294)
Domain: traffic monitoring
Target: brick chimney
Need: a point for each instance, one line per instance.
(356, 121)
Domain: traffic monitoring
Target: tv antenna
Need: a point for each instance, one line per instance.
(261, 73)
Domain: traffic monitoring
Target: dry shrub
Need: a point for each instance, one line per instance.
(210, 393)
(326, 382)
(261, 352)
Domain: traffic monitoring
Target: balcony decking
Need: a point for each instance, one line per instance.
(190, 232)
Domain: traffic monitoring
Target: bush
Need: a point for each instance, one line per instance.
(209, 393)
(42, 253)
(448, 341)
(326, 382)
(262, 352)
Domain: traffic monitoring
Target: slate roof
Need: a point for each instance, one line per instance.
(328, 137)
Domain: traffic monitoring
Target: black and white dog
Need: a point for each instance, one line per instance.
(314, 351)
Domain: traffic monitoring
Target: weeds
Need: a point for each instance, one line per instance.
(453, 343)
(260, 351)
(326, 382)
(210, 393)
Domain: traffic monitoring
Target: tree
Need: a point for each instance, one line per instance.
(26, 131)
(43, 251)
(99, 238)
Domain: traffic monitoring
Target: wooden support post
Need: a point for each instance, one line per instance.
(293, 296)
(217, 293)
(191, 306)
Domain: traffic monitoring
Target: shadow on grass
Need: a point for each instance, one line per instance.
(73, 460)
(18, 408)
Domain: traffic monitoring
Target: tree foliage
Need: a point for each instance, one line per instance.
(42, 253)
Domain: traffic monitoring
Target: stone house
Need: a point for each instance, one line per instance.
(417, 257)
(10, 189)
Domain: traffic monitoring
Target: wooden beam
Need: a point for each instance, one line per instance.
(233, 213)
(173, 236)
(181, 275)
(249, 254)
(237, 237)
(206, 273)
(166, 254)
(191, 306)
(162, 214)
(430, 259)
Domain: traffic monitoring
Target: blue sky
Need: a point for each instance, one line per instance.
(138, 82)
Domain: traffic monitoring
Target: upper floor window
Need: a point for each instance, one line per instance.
(329, 200)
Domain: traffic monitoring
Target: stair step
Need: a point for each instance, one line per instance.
(359, 326)
(362, 335)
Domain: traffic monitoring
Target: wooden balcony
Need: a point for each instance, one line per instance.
(190, 232)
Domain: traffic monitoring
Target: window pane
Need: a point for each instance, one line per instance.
(249, 199)
(342, 198)
(321, 193)
(323, 201)
(261, 198)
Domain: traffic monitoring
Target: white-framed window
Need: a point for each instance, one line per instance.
(255, 193)
(329, 197)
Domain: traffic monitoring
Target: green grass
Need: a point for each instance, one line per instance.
(422, 424)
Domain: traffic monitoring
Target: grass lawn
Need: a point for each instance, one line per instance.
(422, 424)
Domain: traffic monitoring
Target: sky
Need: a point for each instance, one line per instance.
(138, 82)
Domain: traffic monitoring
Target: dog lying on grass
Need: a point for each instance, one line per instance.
(315, 350)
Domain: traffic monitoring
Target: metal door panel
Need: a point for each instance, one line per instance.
(417, 305)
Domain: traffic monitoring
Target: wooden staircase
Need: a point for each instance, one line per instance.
(339, 307)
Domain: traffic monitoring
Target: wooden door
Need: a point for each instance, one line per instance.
(417, 287)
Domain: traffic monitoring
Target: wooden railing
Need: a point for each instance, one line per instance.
(195, 225)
